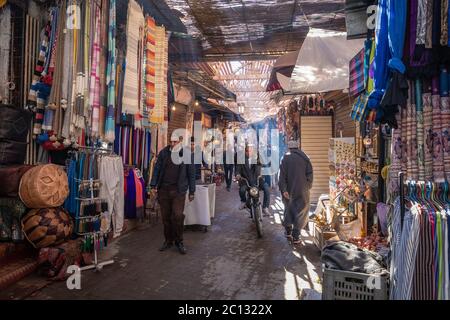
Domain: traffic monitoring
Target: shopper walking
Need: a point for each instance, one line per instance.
(171, 182)
(295, 182)
(229, 165)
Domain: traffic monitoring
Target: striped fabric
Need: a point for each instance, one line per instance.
(159, 113)
(396, 152)
(411, 142)
(5, 54)
(423, 281)
(438, 155)
(418, 157)
(356, 74)
(150, 67)
(94, 92)
(404, 133)
(130, 100)
(445, 116)
(428, 135)
(111, 74)
(34, 102)
(404, 245)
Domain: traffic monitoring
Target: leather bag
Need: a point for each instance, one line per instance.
(12, 152)
(47, 227)
(15, 123)
(11, 175)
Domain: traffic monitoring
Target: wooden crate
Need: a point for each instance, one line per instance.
(320, 236)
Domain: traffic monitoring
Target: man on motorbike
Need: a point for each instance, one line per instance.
(251, 172)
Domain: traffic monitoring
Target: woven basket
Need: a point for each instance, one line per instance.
(44, 186)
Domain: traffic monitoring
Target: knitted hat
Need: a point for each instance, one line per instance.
(293, 144)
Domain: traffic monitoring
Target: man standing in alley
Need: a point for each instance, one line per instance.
(171, 182)
(295, 183)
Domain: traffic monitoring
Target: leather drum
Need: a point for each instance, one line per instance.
(47, 227)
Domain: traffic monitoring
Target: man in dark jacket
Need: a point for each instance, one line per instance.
(171, 181)
(295, 182)
(252, 172)
(228, 165)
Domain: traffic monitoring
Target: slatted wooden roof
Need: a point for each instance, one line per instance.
(248, 80)
(251, 28)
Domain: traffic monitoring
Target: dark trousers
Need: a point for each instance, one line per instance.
(172, 208)
(264, 188)
(228, 174)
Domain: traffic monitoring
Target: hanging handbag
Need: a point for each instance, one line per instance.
(12, 152)
(15, 123)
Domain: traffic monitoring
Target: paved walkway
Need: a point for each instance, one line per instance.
(227, 262)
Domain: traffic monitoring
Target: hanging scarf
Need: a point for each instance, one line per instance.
(419, 136)
(438, 154)
(445, 116)
(54, 101)
(159, 113)
(397, 89)
(382, 55)
(5, 53)
(94, 96)
(111, 73)
(150, 33)
(103, 65)
(39, 91)
(428, 132)
(130, 100)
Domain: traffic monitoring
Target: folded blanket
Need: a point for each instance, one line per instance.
(348, 257)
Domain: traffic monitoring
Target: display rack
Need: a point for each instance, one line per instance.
(95, 234)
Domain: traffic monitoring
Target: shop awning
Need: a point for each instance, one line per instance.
(322, 63)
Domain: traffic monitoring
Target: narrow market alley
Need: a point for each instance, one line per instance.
(227, 262)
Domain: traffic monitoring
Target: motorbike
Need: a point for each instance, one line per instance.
(254, 205)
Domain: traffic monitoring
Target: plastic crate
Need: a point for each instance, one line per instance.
(345, 285)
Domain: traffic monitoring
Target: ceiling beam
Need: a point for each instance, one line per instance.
(241, 77)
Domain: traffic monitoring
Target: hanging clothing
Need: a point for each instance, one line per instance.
(382, 55)
(112, 189)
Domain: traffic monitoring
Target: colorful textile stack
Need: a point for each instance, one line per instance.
(134, 146)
